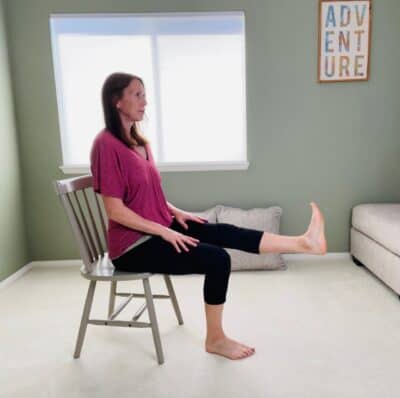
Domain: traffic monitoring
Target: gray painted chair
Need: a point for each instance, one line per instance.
(87, 218)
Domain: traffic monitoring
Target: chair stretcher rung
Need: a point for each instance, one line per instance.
(156, 296)
(139, 312)
(105, 322)
(120, 307)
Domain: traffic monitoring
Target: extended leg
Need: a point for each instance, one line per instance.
(254, 241)
(312, 241)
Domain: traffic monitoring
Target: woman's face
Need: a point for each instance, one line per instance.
(133, 102)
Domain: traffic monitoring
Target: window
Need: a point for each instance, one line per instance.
(193, 67)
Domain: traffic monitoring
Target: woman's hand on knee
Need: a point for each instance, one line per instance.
(178, 240)
(183, 216)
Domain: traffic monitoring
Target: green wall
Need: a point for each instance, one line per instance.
(337, 144)
(13, 246)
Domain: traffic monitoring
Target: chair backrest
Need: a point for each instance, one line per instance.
(86, 215)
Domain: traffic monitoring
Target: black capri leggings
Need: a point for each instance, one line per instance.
(156, 255)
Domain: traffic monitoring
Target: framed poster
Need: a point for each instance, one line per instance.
(344, 40)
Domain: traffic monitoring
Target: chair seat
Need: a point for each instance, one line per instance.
(104, 270)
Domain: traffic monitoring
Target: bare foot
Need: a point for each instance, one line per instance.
(229, 348)
(314, 238)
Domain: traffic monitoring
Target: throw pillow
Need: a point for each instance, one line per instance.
(263, 219)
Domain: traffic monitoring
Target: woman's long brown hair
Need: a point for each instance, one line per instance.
(112, 91)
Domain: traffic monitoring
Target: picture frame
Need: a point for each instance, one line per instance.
(344, 40)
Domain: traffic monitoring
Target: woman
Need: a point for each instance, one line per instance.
(148, 234)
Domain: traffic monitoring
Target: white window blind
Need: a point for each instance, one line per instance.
(193, 67)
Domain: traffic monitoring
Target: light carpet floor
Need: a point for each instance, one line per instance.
(323, 328)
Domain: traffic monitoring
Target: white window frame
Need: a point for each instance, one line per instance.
(162, 166)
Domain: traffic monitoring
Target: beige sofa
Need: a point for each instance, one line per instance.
(375, 240)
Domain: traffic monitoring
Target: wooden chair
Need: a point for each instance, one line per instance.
(87, 217)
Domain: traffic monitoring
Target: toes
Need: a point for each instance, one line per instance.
(238, 354)
(246, 347)
(246, 353)
(232, 350)
(250, 349)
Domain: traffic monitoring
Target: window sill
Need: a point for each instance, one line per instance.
(172, 167)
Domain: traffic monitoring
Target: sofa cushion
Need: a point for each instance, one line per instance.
(380, 222)
(263, 219)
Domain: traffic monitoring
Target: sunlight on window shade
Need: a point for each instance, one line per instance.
(202, 97)
(85, 62)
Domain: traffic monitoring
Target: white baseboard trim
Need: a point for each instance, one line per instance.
(292, 257)
(16, 275)
(58, 263)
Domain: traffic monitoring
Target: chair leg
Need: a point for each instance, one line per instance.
(171, 293)
(111, 303)
(85, 318)
(153, 320)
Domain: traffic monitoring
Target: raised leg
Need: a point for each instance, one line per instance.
(85, 318)
(313, 241)
(171, 293)
(153, 320)
(111, 303)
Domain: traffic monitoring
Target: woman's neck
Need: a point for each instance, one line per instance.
(127, 126)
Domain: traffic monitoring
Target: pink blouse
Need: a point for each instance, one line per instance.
(121, 172)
